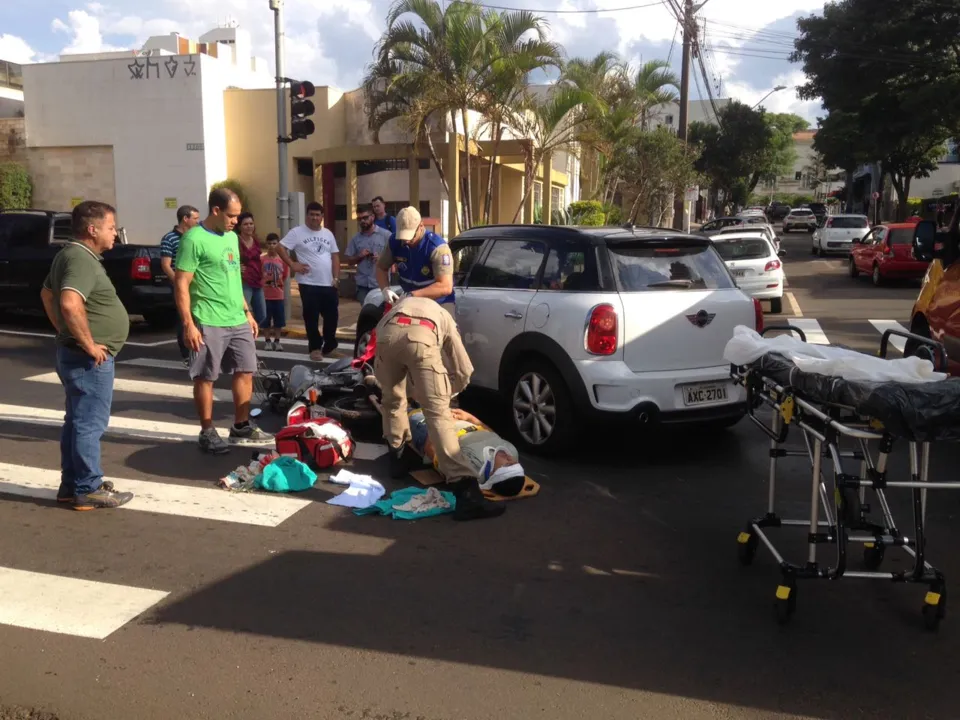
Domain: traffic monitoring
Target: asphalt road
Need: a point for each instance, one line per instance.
(615, 593)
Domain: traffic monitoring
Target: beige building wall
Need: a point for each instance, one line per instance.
(64, 176)
(12, 140)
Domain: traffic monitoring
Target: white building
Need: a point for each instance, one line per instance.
(142, 130)
(11, 90)
(668, 115)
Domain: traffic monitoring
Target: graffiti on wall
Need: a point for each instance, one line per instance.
(149, 68)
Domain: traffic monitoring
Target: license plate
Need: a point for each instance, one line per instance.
(738, 273)
(704, 394)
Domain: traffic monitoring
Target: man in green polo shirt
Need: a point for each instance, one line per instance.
(92, 326)
(218, 327)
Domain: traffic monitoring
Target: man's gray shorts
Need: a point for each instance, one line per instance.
(224, 350)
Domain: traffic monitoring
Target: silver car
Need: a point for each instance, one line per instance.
(838, 234)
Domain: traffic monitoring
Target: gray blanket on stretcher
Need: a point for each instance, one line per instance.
(921, 412)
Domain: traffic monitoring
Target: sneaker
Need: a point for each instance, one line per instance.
(211, 442)
(186, 363)
(102, 497)
(249, 434)
(277, 346)
(316, 356)
(66, 495)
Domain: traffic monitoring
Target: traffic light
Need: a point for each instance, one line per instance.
(301, 126)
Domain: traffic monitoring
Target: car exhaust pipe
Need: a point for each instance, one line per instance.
(644, 418)
(647, 413)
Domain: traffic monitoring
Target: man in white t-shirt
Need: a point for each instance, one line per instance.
(317, 269)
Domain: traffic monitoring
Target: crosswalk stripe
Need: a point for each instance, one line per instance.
(155, 363)
(70, 606)
(811, 328)
(210, 503)
(142, 387)
(147, 429)
(882, 326)
(288, 341)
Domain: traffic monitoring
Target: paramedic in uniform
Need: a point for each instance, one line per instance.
(423, 259)
(418, 342)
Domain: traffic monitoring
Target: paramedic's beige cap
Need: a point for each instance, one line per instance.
(408, 220)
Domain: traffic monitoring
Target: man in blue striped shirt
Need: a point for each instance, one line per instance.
(187, 217)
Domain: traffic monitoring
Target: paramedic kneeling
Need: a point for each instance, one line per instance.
(423, 259)
(414, 339)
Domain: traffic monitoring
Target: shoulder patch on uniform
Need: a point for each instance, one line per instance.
(445, 260)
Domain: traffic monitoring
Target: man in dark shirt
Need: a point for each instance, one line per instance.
(92, 326)
(187, 217)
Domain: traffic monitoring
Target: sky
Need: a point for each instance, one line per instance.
(329, 42)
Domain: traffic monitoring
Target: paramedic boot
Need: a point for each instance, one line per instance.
(401, 462)
(471, 504)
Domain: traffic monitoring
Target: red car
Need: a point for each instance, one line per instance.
(886, 252)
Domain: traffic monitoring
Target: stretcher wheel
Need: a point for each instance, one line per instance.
(746, 547)
(786, 602)
(873, 556)
(934, 608)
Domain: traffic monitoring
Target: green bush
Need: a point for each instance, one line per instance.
(234, 185)
(16, 190)
(587, 212)
(914, 206)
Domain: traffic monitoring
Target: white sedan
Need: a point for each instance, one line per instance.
(754, 264)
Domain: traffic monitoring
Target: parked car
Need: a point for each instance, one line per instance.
(29, 240)
(777, 211)
(717, 224)
(936, 313)
(819, 210)
(887, 252)
(838, 234)
(569, 325)
(755, 264)
(800, 219)
(764, 229)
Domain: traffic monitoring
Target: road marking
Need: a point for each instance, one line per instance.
(288, 341)
(51, 336)
(148, 429)
(70, 606)
(155, 363)
(811, 328)
(794, 305)
(202, 503)
(882, 326)
(143, 387)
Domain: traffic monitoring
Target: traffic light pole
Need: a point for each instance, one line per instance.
(283, 196)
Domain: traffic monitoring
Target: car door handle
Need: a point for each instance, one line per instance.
(515, 314)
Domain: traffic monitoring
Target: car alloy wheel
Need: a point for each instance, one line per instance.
(534, 408)
(877, 277)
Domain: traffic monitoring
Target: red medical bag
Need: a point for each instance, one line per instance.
(319, 453)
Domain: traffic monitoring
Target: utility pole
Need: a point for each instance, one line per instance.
(689, 28)
(283, 196)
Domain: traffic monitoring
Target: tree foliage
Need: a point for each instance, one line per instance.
(16, 190)
(888, 72)
(237, 188)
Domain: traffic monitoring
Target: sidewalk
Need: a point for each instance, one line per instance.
(349, 312)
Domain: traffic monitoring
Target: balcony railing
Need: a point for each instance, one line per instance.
(11, 75)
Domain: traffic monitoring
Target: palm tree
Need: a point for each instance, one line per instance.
(551, 122)
(654, 84)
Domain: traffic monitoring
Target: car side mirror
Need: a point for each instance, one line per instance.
(925, 241)
(781, 253)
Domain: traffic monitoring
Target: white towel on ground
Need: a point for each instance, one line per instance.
(362, 490)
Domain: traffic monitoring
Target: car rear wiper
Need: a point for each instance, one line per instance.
(672, 283)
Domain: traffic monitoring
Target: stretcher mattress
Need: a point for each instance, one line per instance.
(908, 398)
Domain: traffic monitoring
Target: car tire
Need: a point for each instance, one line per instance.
(920, 327)
(161, 319)
(820, 252)
(875, 276)
(555, 404)
(365, 325)
(776, 306)
(852, 270)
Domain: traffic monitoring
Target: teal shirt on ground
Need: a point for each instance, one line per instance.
(216, 293)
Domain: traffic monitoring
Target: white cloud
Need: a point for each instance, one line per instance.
(84, 31)
(16, 50)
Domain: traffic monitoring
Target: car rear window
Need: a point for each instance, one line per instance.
(801, 212)
(900, 236)
(746, 249)
(642, 267)
(848, 223)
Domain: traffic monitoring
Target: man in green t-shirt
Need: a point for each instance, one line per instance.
(92, 326)
(218, 327)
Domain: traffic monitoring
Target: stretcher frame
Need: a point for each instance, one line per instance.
(847, 519)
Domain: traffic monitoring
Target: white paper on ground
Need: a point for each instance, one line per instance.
(747, 346)
(362, 490)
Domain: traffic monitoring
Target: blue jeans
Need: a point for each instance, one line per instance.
(89, 390)
(258, 306)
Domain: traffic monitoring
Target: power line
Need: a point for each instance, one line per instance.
(589, 11)
(673, 42)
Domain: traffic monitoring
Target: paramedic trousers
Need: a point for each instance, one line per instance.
(412, 353)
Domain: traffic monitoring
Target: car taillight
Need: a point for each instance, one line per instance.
(772, 265)
(140, 269)
(601, 335)
(829, 222)
(757, 315)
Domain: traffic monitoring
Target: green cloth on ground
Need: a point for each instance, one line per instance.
(387, 506)
(286, 474)
(216, 292)
(79, 269)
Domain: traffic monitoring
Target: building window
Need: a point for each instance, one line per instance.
(668, 120)
(305, 167)
(798, 175)
(556, 197)
(395, 206)
(424, 163)
(537, 194)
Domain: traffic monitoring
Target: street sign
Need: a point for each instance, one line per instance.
(876, 196)
(692, 194)
(170, 203)
(938, 193)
